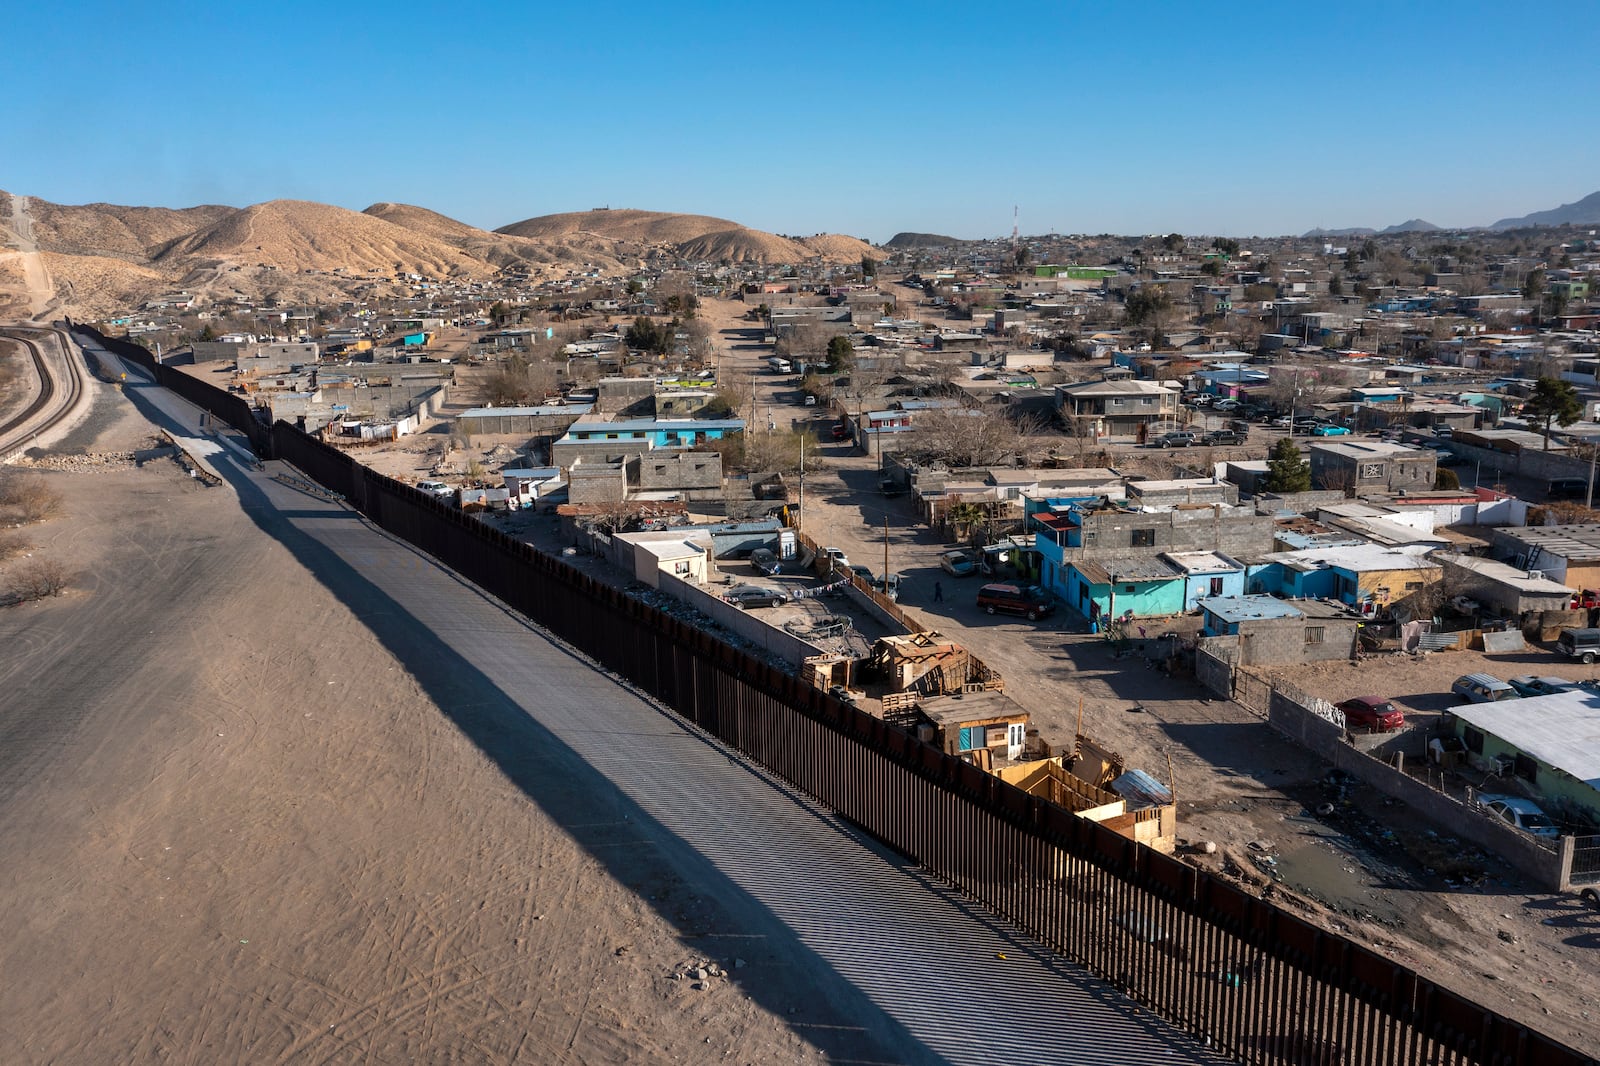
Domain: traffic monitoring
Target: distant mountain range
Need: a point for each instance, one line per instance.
(1584, 212)
(1412, 225)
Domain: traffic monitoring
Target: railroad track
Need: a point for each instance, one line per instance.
(58, 393)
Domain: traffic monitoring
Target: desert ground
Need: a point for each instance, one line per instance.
(238, 829)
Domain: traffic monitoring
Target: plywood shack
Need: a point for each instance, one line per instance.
(1094, 783)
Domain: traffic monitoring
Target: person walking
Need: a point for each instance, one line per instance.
(938, 592)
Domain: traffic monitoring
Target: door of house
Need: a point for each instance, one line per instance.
(1216, 586)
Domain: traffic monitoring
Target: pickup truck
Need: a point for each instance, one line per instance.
(1174, 440)
(1224, 436)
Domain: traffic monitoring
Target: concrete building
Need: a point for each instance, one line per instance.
(1126, 409)
(692, 475)
(1569, 555)
(546, 421)
(1364, 466)
(1183, 490)
(1502, 588)
(1271, 630)
(1366, 576)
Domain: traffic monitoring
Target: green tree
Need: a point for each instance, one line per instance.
(1553, 402)
(649, 335)
(841, 354)
(1445, 480)
(1335, 285)
(1227, 246)
(1287, 469)
(1147, 303)
(1533, 284)
(869, 267)
(1172, 242)
(1211, 268)
(1021, 256)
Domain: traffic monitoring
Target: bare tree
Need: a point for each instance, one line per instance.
(969, 436)
(520, 381)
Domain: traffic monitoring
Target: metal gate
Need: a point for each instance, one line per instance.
(1585, 861)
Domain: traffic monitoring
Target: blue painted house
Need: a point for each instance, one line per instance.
(653, 433)
(1207, 573)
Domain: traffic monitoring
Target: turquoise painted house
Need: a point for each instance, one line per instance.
(1144, 586)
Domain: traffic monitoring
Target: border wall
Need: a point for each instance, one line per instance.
(1254, 981)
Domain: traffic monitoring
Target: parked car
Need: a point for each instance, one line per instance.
(1567, 488)
(765, 561)
(1329, 431)
(1373, 713)
(838, 560)
(810, 400)
(1226, 404)
(1444, 433)
(748, 596)
(1030, 601)
(1528, 685)
(840, 432)
(864, 573)
(1202, 399)
(889, 585)
(1283, 422)
(888, 486)
(436, 488)
(1522, 813)
(957, 564)
(1224, 436)
(1482, 688)
(1582, 644)
(1174, 440)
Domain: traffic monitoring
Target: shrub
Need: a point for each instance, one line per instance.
(34, 580)
(31, 499)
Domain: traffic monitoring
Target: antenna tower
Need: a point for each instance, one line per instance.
(1014, 238)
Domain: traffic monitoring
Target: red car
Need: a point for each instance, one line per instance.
(841, 432)
(1373, 713)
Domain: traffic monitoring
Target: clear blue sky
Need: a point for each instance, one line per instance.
(801, 118)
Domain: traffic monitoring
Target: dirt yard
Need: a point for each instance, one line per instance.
(237, 830)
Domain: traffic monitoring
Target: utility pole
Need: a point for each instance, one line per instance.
(886, 553)
(799, 522)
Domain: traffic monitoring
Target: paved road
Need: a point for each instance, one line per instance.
(909, 972)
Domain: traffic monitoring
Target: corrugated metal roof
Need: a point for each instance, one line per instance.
(1560, 730)
(1141, 790)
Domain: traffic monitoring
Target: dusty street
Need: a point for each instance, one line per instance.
(1371, 870)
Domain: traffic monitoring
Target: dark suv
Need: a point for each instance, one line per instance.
(1030, 601)
(1174, 440)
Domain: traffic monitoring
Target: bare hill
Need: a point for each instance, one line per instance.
(623, 224)
(690, 236)
(1581, 212)
(503, 249)
(300, 235)
(94, 285)
(114, 230)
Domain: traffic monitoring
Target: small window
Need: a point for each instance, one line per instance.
(1314, 634)
(1144, 538)
(1525, 768)
(1127, 588)
(1089, 536)
(1474, 740)
(1145, 401)
(1412, 586)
